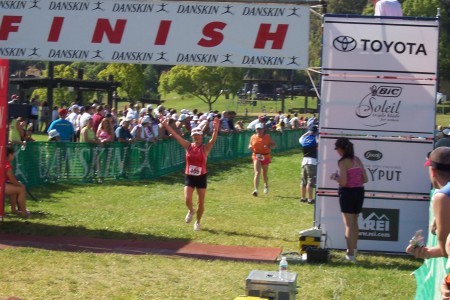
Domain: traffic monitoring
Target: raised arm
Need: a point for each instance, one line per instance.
(165, 123)
(216, 127)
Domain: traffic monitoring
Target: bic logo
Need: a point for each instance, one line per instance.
(389, 91)
(344, 43)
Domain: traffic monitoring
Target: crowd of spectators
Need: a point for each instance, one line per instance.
(442, 136)
(98, 123)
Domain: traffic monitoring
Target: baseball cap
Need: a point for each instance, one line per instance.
(53, 133)
(439, 159)
(446, 131)
(182, 117)
(75, 106)
(145, 120)
(160, 108)
(195, 131)
(259, 126)
(311, 121)
(62, 111)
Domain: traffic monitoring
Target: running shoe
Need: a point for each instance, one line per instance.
(197, 226)
(310, 201)
(350, 258)
(266, 189)
(255, 193)
(189, 216)
(303, 200)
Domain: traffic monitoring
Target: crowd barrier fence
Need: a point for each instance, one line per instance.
(50, 162)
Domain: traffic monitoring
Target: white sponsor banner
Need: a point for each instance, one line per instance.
(380, 44)
(378, 107)
(384, 162)
(384, 225)
(150, 32)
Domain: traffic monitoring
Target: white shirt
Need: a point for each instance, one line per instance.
(54, 115)
(72, 118)
(83, 119)
(252, 125)
(390, 8)
(309, 161)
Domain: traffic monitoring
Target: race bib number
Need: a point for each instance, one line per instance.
(259, 157)
(195, 171)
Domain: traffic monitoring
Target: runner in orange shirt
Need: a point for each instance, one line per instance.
(261, 144)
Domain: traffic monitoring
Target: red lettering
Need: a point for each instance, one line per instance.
(7, 26)
(55, 30)
(163, 32)
(213, 32)
(114, 35)
(276, 37)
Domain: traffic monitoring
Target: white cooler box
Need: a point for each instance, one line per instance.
(267, 284)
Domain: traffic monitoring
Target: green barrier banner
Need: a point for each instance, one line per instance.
(42, 162)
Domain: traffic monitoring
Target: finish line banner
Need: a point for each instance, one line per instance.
(148, 32)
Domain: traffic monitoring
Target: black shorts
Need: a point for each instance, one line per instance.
(351, 199)
(196, 181)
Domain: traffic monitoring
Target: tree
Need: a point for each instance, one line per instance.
(91, 70)
(151, 78)
(428, 8)
(205, 83)
(63, 96)
(353, 7)
(131, 76)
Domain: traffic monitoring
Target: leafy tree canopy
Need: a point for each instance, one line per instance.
(205, 83)
(131, 76)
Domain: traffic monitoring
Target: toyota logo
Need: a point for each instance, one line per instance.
(344, 43)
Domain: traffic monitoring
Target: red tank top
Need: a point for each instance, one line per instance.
(7, 167)
(195, 160)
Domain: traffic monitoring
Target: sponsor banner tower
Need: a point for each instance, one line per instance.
(378, 89)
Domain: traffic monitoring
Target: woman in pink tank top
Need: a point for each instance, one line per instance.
(351, 179)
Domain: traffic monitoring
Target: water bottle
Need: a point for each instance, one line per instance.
(283, 268)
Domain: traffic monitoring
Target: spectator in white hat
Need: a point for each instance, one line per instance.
(141, 132)
(53, 135)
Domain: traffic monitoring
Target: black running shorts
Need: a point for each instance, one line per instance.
(198, 182)
(351, 199)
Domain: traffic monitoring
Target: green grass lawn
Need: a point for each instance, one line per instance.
(155, 210)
